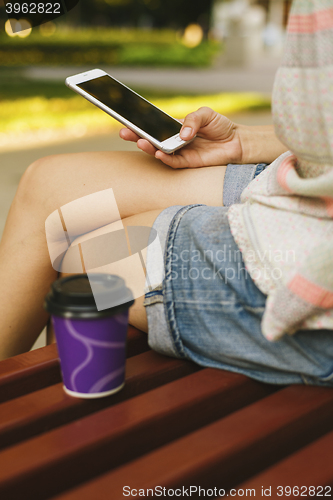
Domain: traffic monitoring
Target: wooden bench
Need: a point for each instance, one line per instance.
(173, 426)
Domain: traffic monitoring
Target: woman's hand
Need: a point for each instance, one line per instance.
(219, 141)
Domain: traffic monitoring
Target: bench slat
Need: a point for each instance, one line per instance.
(29, 372)
(227, 451)
(310, 466)
(137, 342)
(50, 463)
(37, 369)
(40, 411)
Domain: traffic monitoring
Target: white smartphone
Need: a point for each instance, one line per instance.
(129, 108)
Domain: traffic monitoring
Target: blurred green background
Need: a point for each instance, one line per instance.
(53, 45)
(99, 33)
(120, 32)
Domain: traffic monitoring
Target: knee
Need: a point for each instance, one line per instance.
(39, 182)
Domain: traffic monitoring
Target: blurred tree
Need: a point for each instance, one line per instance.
(175, 14)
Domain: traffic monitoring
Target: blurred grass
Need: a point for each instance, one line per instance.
(32, 106)
(36, 113)
(105, 46)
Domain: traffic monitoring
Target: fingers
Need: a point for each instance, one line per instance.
(128, 135)
(174, 161)
(195, 121)
(146, 146)
(142, 144)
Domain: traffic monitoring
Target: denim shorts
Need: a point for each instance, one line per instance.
(207, 308)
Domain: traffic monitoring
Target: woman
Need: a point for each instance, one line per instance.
(142, 186)
(224, 313)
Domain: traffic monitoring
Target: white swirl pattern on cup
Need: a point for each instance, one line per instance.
(98, 386)
(88, 344)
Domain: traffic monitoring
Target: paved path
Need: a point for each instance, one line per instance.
(258, 77)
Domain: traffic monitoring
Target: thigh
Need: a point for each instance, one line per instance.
(140, 183)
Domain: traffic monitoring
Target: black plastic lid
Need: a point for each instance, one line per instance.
(79, 296)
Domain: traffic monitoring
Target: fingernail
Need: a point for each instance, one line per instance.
(186, 132)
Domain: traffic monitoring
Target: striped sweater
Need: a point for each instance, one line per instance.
(284, 226)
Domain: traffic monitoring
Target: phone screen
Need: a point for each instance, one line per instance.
(132, 107)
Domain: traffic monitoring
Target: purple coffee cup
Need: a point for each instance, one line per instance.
(91, 343)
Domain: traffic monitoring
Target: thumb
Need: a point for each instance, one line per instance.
(195, 121)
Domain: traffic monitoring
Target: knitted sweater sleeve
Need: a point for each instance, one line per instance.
(305, 290)
(309, 291)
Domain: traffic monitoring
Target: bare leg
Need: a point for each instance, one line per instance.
(140, 184)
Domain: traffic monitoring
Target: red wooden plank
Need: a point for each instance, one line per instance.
(225, 452)
(37, 412)
(310, 466)
(137, 342)
(78, 451)
(28, 372)
(37, 369)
